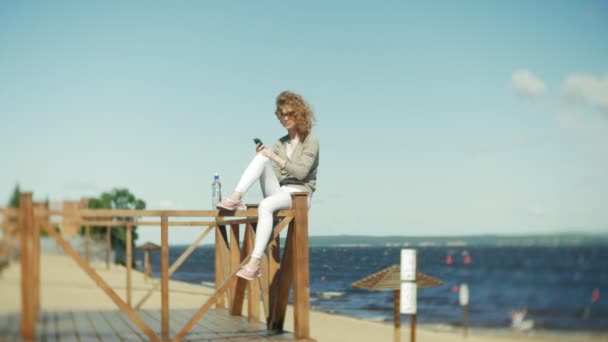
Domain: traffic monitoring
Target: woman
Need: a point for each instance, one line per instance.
(290, 167)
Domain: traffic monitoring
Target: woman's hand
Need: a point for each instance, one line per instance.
(259, 147)
(268, 153)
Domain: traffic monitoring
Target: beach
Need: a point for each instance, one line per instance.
(65, 287)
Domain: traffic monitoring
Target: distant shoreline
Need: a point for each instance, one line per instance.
(453, 241)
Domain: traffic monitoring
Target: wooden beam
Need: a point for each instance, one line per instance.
(87, 244)
(92, 213)
(90, 223)
(270, 267)
(138, 223)
(10, 212)
(225, 260)
(102, 284)
(164, 276)
(241, 284)
(397, 315)
(284, 285)
(253, 287)
(129, 261)
(413, 328)
(235, 259)
(274, 267)
(108, 246)
(264, 284)
(280, 226)
(147, 267)
(175, 266)
(26, 223)
(8, 247)
(206, 306)
(301, 286)
(219, 269)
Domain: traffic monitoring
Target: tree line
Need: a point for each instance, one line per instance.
(118, 198)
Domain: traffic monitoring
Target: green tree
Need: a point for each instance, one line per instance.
(117, 199)
(14, 201)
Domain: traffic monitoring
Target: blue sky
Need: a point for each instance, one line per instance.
(434, 118)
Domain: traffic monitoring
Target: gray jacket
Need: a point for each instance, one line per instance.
(300, 171)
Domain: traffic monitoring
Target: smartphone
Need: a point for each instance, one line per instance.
(257, 141)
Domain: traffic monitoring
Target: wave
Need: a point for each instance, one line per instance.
(330, 294)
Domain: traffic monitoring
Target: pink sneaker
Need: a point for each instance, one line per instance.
(249, 273)
(230, 203)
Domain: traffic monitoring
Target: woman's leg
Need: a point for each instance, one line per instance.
(259, 168)
(270, 204)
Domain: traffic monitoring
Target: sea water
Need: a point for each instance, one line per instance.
(555, 284)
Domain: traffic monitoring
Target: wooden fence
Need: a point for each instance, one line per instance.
(279, 272)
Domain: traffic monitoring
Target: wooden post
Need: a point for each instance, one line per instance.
(36, 255)
(235, 260)
(465, 309)
(87, 235)
(463, 300)
(26, 221)
(253, 287)
(129, 262)
(413, 317)
(103, 285)
(396, 315)
(223, 246)
(164, 275)
(285, 280)
(274, 267)
(219, 270)
(108, 246)
(413, 328)
(147, 270)
(301, 301)
(4, 223)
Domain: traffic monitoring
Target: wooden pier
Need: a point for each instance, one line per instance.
(217, 325)
(217, 316)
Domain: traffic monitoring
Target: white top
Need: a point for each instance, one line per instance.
(290, 146)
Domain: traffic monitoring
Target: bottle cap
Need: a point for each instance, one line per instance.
(216, 176)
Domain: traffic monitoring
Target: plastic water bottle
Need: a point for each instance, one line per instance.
(216, 191)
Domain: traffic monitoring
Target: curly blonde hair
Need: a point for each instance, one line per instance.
(304, 115)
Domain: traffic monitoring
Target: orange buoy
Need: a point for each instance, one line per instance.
(449, 260)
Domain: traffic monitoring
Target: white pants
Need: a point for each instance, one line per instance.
(276, 197)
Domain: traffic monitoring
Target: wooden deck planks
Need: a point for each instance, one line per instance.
(216, 326)
(125, 331)
(104, 330)
(66, 329)
(86, 331)
(10, 327)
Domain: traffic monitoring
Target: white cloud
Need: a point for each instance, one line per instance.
(588, 89)
(526, 84)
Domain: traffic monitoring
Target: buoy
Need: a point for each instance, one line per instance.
(322, 278)
(595, 295)
(467, 259)
(455, 288)
(449, 260)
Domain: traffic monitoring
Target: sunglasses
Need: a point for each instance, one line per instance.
(285, 114)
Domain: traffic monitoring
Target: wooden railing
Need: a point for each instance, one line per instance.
(279, 273)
